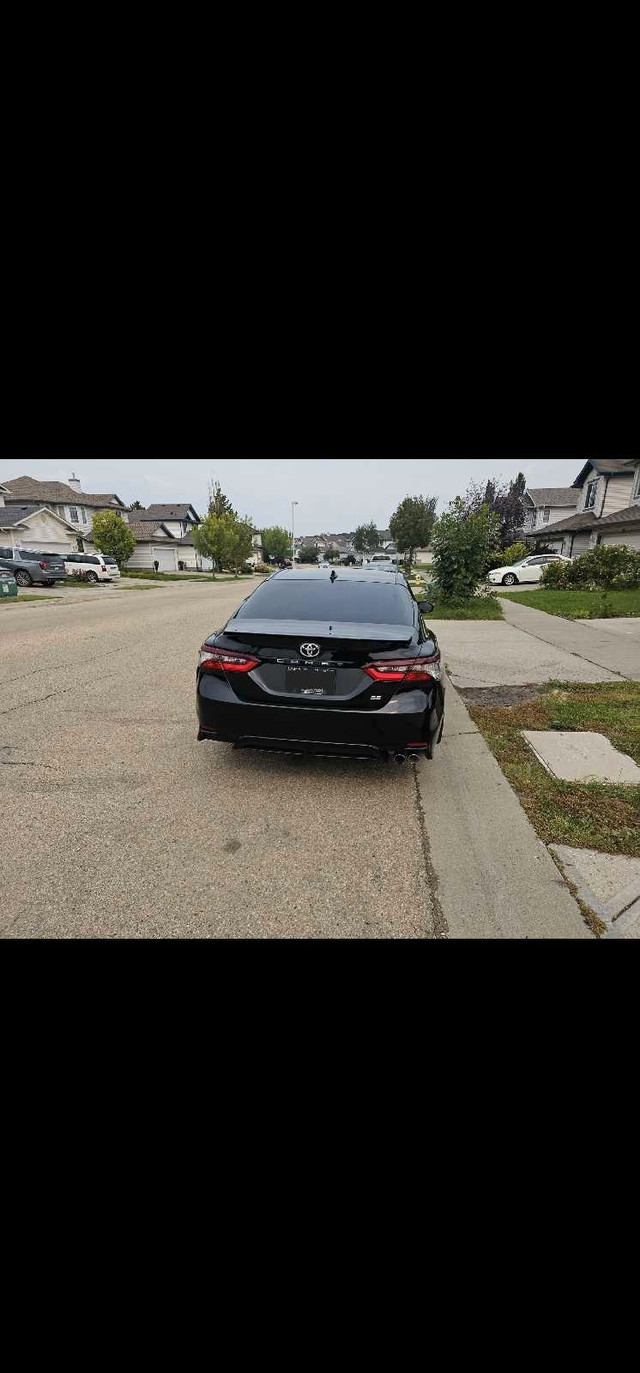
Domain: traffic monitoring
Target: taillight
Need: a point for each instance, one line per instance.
(225, 660)
(401, 670)
(43, 566)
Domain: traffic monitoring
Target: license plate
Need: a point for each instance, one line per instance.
(311, 681)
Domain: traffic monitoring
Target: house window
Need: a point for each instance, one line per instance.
(591, 495)
(636, 489)
(546, 514)
(73, 514)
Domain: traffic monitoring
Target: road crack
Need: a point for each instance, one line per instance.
(440, 926)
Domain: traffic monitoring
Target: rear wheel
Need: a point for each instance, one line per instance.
(23, 578)
(92, 577)
(509, 580)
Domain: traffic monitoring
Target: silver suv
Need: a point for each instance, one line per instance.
(29, 566)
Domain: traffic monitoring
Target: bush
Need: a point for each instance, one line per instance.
(265, 569)
(465, 547)
(514, 554)
(80, 576)
(607, 566)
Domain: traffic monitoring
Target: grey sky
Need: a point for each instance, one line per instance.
(334, 494)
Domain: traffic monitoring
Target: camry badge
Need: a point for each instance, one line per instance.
(309, 650)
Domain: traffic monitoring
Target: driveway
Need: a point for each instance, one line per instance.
(119, 824)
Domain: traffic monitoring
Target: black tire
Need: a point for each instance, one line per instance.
(92, 577)
(510, 580)
(47, 583)
(23, 578)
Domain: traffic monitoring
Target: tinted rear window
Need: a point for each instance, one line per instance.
(111, 562)
(337, 602)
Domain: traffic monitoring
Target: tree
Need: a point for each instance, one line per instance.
(137, 505)
(219, 504)
(112, 535)
(505, 499)
(365, 539)
(226, 540)
(308, 553)
(276, 542)
(412, 524)
(465, 546)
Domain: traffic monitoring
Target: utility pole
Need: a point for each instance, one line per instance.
(293, 531)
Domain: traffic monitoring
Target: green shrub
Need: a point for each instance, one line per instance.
(465, 547)
(607, 566)
(514, 554)
(265, 569)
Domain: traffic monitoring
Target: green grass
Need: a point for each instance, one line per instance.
(581, 605)
(184, 576)
(21, 598)
(474, 608)
(583, 815)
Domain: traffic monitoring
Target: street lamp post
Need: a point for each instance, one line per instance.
(293, 531)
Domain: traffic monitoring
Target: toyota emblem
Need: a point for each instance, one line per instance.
(309, 650)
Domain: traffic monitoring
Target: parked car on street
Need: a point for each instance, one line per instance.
(384, 561)
(528, 570)
(330, 662)
(29, 567)
(97, 566)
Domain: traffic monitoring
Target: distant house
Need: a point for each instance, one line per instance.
(179, 519)
(547, 505)
(154, 544)
(67, 500)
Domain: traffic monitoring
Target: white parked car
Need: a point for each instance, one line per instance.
(97, 566)
(528, 570)
(384, 561)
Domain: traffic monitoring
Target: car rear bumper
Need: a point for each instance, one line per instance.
(410, 722)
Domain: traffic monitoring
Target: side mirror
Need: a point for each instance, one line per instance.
(425, 607)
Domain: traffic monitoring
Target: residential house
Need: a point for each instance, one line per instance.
(33, 527)
(547, 505)
(154, 544)
(179, 519)
(607, 511)
(67, 500)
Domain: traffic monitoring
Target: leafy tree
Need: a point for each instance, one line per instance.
(504, 499)
(219, 504)
(137, 505)
(276, 542)
(212, 539)
(240, 544)
(465, 546)
(112, 535)
(412, 524)
(308, 553)
(365, 539)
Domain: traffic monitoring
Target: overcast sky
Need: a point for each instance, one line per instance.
(334, 494)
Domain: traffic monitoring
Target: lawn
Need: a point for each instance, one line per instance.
(474, 608)
(21, 598)
(185, 577)
(582, 815)
(582, 605)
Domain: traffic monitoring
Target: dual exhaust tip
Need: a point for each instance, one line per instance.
(402, 758)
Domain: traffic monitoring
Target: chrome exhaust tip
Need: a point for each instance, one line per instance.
(400, 759)
(415, 757)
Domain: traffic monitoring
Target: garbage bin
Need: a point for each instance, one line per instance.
(8, 584)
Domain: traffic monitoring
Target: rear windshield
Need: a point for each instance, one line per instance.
(346, 602)
(111, 562)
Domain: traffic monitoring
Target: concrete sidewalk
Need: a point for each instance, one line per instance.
(604, 648)
(492, 877)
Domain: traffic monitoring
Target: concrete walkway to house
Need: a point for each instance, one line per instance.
(595, 642)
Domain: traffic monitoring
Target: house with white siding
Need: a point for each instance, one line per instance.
(154, 544)
(545, 505)
(34, 527)
(67, 500)
(607, 508)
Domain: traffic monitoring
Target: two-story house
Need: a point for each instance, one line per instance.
(73, 506)
(607, 492)
(179, 519)
(546, 505)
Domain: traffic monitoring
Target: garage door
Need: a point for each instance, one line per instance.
(48, 546)
(580, 544)
(166, 557)
(631, 539)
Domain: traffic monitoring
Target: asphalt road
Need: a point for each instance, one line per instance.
(116, 823)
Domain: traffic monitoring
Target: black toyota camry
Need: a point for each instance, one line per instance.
(320, 661)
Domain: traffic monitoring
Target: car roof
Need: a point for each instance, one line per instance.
(309, 573)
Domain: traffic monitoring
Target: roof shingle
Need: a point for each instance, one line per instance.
(58, 493)
(167, 512)
(553, 495)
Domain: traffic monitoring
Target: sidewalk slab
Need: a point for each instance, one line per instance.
(581, 756)
(607, 882)
(494, 879)
(609, 650)
(487, 653)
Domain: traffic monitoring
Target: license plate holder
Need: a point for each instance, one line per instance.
(311, 681)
